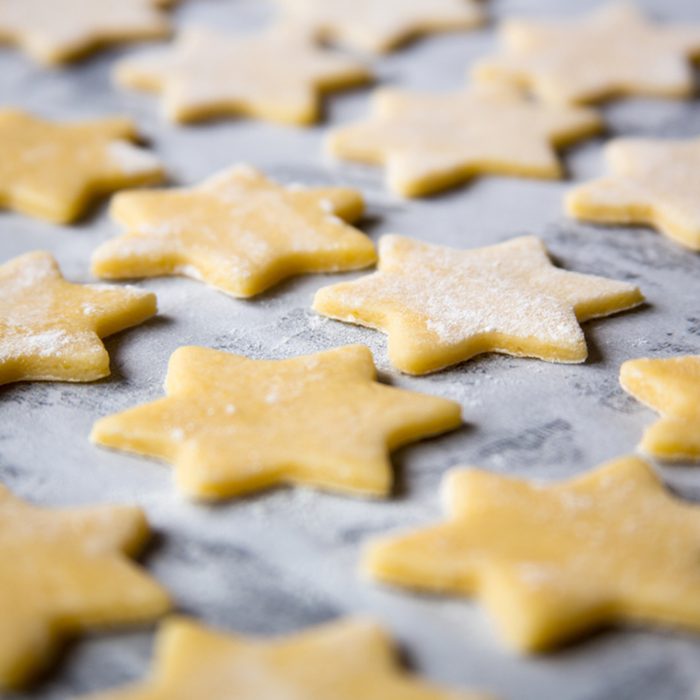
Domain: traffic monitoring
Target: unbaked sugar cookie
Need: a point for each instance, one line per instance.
(553, 562)
(440, 306)
(64, 571)
(238, 231)
(431, 141)
(232, 425)
(50, 329)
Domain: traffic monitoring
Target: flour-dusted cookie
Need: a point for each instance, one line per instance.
(670, 386)
(50, 329)
(440, 306)
(278, 75)
(238, 231)
(652, 181)
(52, 170)
(351, 659)
(616, 51)
(431, 141)
(553, 562)
(232, 425)
(64, 571)
(57, 31)
(379, 27)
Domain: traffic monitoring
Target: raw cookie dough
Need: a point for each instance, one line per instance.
(277, 75)
(431, 141)
(379, 27)
(50, 329)
(616, 51)
(553, 562)
(57, 31)
(238, 231)
(63, 572)
(653, 181)
(52, 170)
(440, 306)
(670, 386)
(232, 425)
(352, 659)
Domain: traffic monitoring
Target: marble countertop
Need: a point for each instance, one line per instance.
(287, 559)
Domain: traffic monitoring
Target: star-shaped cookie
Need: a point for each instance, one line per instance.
(553, 562)
(670, 386)
(50, 329)
(379, 27)
(654, 182)
(597, 57)
(232, 425)
(278, 75)
(63, 572)
(440, 306)
(238, 231)
(52, 170)
(431, 141)
(352, 659)
(58, 31)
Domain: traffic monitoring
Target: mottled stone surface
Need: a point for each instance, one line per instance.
(286, 559)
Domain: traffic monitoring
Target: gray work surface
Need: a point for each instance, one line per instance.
(286, 559)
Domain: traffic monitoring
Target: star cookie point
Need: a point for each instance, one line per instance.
(372, 28)
(50, 329)
(652, 182)
(87, 579)
(53, 34)
(440, 306)
(533, 552)
(238, 231)
(670, 386)
(432, 141)
(231, 425)
(53, 170)
(595, 58)
(207, 74)
(345, 660)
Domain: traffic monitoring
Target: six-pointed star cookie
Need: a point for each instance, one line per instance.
(51, 170)
(278, 75)
(56, 31)
(238, 231)
(670, 386)
(653, 182)
(63, 571)
(431, 141)
(379, 27)
(440, 306)
(551, 562)
(595, 58)
(50, 329)
(232, 425)
(351, 659)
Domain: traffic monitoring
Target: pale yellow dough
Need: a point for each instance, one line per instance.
(232, 425)
(52, 170)
(652, 181)
(278, 75)
(440, 306)
(616, 51)
(50, 329)
(238, 231)
(352, 659)
(58, 31)
(379, 27)
(65, 571)
(553, 562)
(431, 141)
(670, 386)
